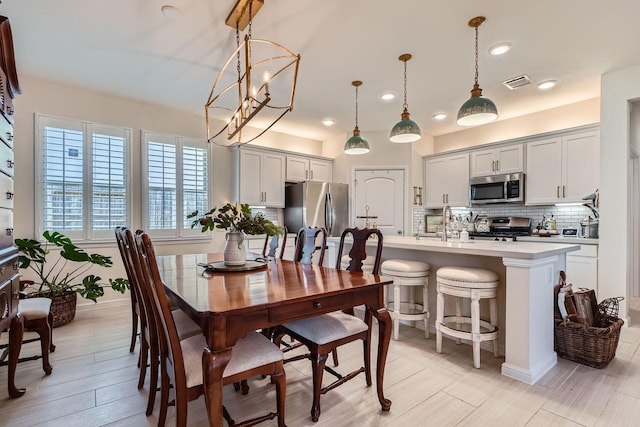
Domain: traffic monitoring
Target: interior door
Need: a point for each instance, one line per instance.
(383, 192)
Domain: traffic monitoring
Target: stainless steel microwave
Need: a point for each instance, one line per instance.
(507, 188)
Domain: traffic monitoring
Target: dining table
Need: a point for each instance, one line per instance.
(228, 303)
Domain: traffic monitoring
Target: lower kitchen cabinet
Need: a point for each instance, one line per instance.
(582, 267)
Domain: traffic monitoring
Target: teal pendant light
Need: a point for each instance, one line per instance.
(356, 144)
(406, 130)
(478, 110)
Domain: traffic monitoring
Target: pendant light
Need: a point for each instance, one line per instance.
(356, 144)
(406, 130)
(478, 110)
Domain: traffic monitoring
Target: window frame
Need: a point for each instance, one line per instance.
(181, 230)
(88, 129)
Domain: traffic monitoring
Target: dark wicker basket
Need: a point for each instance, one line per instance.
(591, 346)
(63, 308)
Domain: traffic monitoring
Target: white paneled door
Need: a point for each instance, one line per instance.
(383, 191)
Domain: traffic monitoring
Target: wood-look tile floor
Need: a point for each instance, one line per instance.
(94, 384)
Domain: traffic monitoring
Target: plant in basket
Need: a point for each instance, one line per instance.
(62, 278)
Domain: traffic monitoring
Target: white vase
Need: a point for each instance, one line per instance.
(234, 251)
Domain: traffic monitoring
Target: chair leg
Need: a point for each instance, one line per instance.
(42, 328)
(366, 346)
(493, 313)
(475, 330)
(458, 316)
(143, 361)
(334, 355)
(244, 385)
(439, 320)
(396, 312)
(52, 347)
(153, 378)
(280, 380)
(134, 325)
(164, 395)
(425, 307)
(317, 366)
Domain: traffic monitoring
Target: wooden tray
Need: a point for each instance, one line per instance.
(247, 266)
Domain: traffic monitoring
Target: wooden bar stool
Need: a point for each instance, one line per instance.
(408, 274)
(475, 284)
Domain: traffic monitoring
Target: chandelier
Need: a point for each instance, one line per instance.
(257, 82)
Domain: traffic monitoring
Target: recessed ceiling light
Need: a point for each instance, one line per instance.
(171, 12)
(388, 96)
(500, 48)
(328, 121)
(547, 84)
(440, 116)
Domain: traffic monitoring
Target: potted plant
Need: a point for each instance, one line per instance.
(238, 221)
(62, 279)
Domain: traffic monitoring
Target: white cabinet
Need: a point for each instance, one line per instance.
(261, 178)
(499, 160)
(582, 267)
(308, 169)
(562, 169)
(447, 180)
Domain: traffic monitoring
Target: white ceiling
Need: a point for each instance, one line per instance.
(129, 48)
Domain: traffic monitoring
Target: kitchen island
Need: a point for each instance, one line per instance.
(528, 271)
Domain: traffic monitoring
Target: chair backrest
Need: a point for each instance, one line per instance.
(271, 245)
(170, 350)
(127, 260)
(306, 244)
(358, 252)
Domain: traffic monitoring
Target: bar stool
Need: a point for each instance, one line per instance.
(410, 274)
(475, 284)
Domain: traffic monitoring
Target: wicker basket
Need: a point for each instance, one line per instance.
(591, 346)
(63, 309)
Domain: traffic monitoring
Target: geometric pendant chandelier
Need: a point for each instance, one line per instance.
(478, 110)
(256, 84)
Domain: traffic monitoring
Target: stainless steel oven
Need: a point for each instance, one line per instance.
(507, 188)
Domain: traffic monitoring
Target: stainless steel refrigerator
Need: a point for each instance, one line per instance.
(317, 204)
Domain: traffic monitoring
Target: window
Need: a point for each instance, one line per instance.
(176, 173)
(81, 177)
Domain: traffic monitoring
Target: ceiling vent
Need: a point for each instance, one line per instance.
(517, 82)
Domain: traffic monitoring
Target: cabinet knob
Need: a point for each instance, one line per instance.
(10, 110)
(564, 188)
(10, 164)
(16, 266)
(317, 304)
(497, 165)
(9, 136)
(9, 195)
(9, 231)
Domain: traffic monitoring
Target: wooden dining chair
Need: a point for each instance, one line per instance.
(149, 348)
(271, 245)
(307, 244)
(181, 360)
(325, 333)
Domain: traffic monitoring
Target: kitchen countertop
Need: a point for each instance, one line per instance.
(559, 239)
(509, 249)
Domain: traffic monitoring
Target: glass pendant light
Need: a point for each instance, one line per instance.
(478, 110)
(356, 144)
(406, 130)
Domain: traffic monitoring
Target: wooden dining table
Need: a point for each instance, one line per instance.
(229, 304)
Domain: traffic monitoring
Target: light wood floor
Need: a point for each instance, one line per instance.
(94, 384)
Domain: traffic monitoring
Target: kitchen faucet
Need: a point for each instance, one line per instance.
(444, 221)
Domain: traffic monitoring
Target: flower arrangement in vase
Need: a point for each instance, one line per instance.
(238, 221)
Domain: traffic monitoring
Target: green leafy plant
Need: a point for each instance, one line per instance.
(55, 279)
(235, 218)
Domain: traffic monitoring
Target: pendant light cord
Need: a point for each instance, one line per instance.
(476, 78)
(356, 107)
(405, 106)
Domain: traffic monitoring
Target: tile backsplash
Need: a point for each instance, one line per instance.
(566, 216)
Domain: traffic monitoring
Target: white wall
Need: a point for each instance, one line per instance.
(45, 97)
(619, 88)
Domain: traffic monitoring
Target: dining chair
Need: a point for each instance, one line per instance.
(181, 360)
(149, 348)
(271, 245)
(37, 316)
(325, 333)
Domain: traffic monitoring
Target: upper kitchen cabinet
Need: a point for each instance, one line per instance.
(499, 160)
(308, 169)
(563, 169)
(260, 178)
(447, 180)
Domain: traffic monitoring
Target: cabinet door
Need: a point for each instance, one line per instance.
(250, 177)
(320, 170)
(435, 180)
(483, 163)
(297, 169)
(457, 181)
(581, 166)
(544, 172)
(510, 159)
(272, 180)
(582, 271)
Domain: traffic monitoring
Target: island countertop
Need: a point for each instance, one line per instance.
(509, 249)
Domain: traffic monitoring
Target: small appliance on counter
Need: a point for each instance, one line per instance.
(501, 227)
